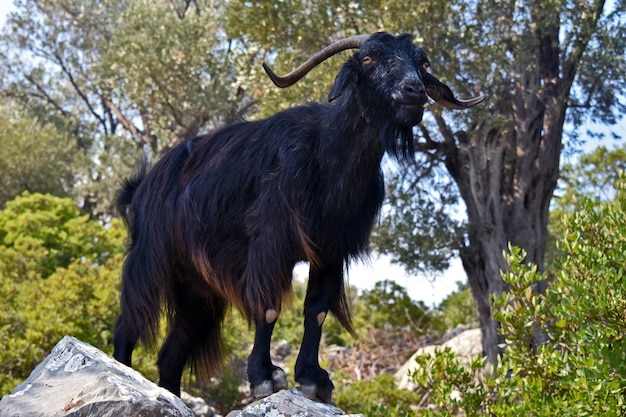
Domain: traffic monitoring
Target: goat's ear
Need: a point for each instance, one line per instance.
(348, 74)
(442, 94)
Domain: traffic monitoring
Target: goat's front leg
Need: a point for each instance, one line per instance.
(265, 378)
(322, 287)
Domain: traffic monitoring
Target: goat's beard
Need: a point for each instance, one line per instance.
(398, 141)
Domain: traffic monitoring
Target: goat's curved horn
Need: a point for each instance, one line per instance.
(457, 104)
(294, 76)
(442, 94)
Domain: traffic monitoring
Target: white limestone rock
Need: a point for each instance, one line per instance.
(290, 403)
(77, 379)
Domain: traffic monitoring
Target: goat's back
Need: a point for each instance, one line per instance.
(276, 183)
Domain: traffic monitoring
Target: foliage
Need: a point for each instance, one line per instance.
(451, 386)
(457, 309)
(140, 66)
(58, 275)
(388, 306)
(580, 370)
(592, 176)
(173, 73)
(33, 156)
(378, 397)
(115, 77)
(417, 229)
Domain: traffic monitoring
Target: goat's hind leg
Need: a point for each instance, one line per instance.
(172, 358)
(124, 342)
(194, 336)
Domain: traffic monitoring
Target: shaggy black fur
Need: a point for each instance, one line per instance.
(223, 218)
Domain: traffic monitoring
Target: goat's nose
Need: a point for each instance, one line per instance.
(413, 87)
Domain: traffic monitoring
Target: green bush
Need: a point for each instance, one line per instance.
(384, 313)
(59, 274)
(444, 378)
(458, 309)
(378, 397)
(581, 369)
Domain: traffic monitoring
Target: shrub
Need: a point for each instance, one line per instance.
(457, 309)
(59, 274)
(581, 369)
(378, 397)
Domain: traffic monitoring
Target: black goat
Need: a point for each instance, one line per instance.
(223, 218)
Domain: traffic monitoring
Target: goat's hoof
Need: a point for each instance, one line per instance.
(279, 379)
(263, 389)
(313, 392)
(268, 387)
(314, 382)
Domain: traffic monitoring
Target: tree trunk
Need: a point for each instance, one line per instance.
(507, 191)
(506, 163)
(506, 174)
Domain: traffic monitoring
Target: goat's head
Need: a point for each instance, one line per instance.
(390, 73)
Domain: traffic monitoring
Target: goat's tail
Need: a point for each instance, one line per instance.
(129, 186)
(140, 299)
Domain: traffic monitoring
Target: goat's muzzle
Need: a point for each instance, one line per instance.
(410, 114)
(409, 101)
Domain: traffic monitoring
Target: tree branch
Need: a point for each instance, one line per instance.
(181, 14)
(79, 91)
(127, 124)
(45, 95)
(581, 39)
(448, 135)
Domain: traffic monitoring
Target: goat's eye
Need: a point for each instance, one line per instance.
(366, 60)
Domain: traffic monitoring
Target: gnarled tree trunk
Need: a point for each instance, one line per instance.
(507, 171)
(507, 191)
